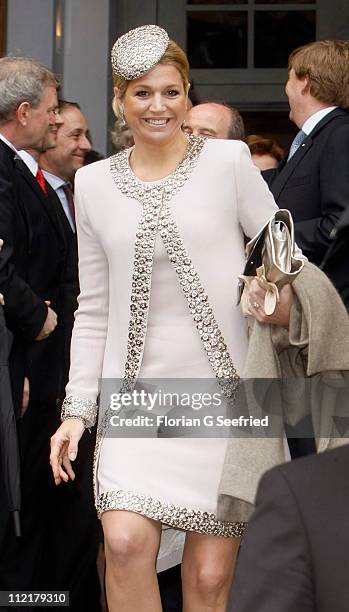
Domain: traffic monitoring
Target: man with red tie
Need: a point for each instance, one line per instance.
(33, 279)
(28, 101)
(28, 104)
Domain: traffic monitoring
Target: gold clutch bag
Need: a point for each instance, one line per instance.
(271, 258)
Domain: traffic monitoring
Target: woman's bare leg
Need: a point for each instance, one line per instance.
(131, 547)
(207, 571)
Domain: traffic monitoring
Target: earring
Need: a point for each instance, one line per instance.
(122, 116)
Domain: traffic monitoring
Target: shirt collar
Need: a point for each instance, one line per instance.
(55, 181)
(316, 118)
(8, 143)
(29, 161)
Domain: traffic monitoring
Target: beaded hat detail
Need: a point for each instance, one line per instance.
(138, 51)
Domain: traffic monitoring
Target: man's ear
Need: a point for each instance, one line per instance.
(22, 113)
(305, 88)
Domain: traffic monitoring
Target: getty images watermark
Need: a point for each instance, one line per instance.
(183, 421)
(154, 412)
(270, 408)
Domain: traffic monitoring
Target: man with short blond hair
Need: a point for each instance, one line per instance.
(312, 180)
(325, 64)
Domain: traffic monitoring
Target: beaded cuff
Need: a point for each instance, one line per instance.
(81, 408)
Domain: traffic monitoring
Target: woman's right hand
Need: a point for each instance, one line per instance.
(64, 449)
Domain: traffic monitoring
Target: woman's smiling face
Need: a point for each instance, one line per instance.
(155, 105)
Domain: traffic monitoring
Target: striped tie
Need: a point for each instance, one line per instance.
(299, 138)
(70, 199)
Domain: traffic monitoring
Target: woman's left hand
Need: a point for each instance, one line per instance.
(255, 304)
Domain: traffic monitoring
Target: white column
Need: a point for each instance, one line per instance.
(86, 65)
(30, 29)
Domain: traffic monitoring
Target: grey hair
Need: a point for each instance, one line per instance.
(22, 80)
(237, 127)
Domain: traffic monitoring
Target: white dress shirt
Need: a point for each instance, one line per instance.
(8, 143)
(29, 161)
(57, 184)
(310, 123)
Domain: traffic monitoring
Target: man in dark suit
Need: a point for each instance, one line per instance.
(336, 260)
(28, 103)
(71, 563)
(63, 160)
(34, 280)
(66, 563)
(59, 165)
(28, 100)
(312, 181)
(294, 555)
(45, 269)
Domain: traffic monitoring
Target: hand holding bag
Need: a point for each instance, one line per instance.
(271, 259)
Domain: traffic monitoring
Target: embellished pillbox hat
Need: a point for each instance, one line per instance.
(138, 51)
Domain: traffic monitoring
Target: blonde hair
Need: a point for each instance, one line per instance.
(326, 64)
(121, 136)
(173, 56)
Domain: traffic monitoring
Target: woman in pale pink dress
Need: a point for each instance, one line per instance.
(161, 243)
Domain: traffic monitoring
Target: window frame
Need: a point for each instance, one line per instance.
(251, 89)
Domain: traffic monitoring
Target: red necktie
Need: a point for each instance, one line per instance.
(41, 180)
(70, 199)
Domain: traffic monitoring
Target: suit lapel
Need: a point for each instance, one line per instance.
(289, 167)
(286, 168)
(62, 217)
(44, 199)
(47, 201)
(10, 155)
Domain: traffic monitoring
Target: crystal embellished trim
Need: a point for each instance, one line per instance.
(157, 216)
(199, 306)
(166, 188)
(174, 516)
(79, 407)
(152, 197)
(141, 286)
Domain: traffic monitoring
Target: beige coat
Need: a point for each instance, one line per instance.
(315, 351)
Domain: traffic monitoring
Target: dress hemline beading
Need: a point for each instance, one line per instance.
(185, 519)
